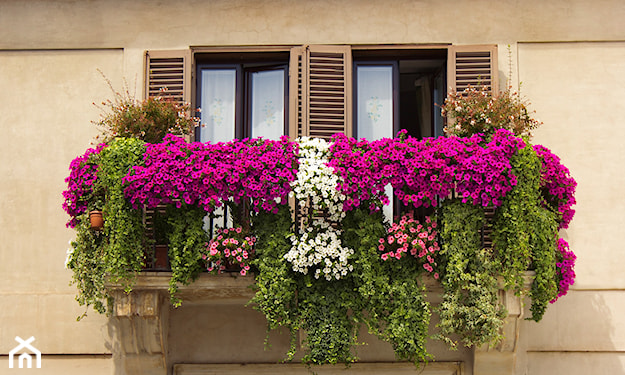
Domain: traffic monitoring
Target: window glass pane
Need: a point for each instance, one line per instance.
(375, 110)
(268, 104)
(375, 101)
(218, 105)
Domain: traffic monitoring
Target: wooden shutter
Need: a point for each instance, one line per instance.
(321, 89)
(472, 65)
(171, 70)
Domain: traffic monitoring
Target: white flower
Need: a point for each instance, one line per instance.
(315, 187)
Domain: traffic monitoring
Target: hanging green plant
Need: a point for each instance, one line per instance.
(84, 258)
(187, 243)
(123, 226)
(276, 287)
(470, 306)
(116, 253)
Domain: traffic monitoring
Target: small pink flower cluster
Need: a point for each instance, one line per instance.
(231, 247)
(566, 271)
(420, 171)
(82, 176)
(558, 185)
(410, 236)
(209, 174)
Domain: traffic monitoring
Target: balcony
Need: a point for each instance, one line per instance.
(305, 219)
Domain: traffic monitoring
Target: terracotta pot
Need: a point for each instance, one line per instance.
(161, 257)
(96, 219)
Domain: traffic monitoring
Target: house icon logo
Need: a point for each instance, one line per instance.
(24, 345)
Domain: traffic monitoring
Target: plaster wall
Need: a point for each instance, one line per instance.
(569, 56)
(576, 90)
(46, 106)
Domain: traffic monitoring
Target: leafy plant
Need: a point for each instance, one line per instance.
(149, 120)
(391, 294)
(115, 254)
(123, 225)
(276, 285)
(231, 246)
(475, 110)
(514, 220)
(187, 242)
(85, 260)
(470, 306)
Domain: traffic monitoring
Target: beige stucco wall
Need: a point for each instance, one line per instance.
(569, 56)
(577, 90)
(45, 117)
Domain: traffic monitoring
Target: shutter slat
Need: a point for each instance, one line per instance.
(323, 79)
(472, 66)
(170, 70)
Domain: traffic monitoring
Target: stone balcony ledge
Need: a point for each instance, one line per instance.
(142, 318)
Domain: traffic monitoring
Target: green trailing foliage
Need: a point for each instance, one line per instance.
(387, 297)
(544, 250)
(276, 287)
(187, 243)
(123, 225)
(116, 253)
(524, 234)
(391, 292)
(86, 262)
(470, 306)
(514, 221)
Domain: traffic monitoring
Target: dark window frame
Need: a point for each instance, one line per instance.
(244, 64)
(395, 66)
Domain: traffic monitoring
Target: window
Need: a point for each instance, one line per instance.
(320, 90)
(320, 86)
(399, 89)
(241, 95)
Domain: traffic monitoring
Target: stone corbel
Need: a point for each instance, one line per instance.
(141, 326)
(141, 317)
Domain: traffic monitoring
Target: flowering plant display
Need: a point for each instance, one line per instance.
(565, 268)
(149, 120)
(208, 175)
(557, 184)
(339, 264)
(420, 171)
(409, 236)
(476, 110)
(230, 247)
(317, 244)
(80, 184)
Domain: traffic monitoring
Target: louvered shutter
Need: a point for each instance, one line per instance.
(475, 66)
(171, 70)
(321, 87)
(472, 65)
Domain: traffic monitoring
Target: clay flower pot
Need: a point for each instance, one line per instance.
(96, 219)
